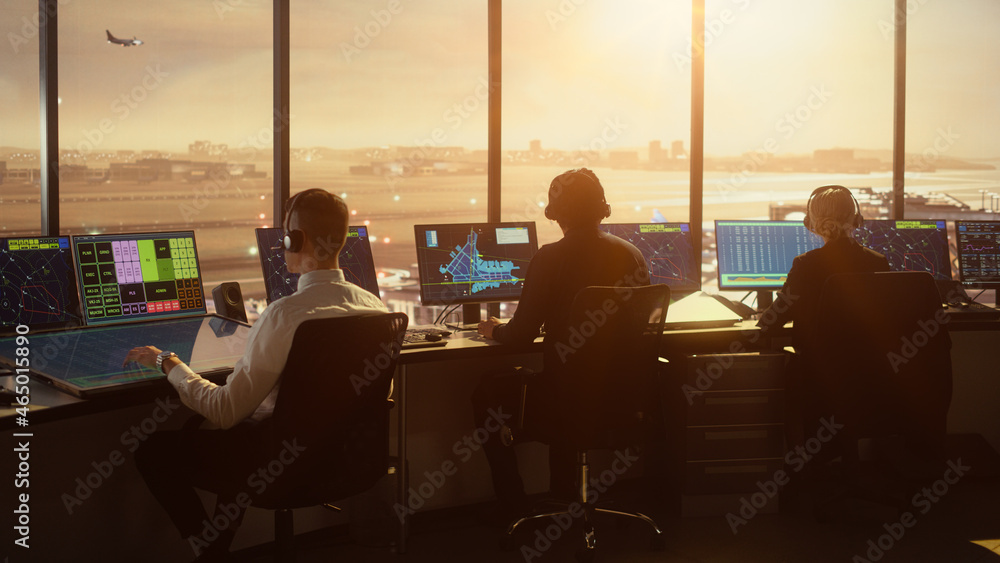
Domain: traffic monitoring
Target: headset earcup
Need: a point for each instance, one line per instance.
(293, 241)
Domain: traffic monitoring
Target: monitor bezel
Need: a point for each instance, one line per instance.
(424, 300)
(129, 318)
(994, 285)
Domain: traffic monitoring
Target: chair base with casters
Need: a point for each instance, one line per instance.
(584, 510)
(606, 399)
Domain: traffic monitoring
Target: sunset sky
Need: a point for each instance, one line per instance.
(806, 75)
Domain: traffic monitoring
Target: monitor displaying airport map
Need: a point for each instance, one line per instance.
(131, 277)
(912, 245)
(978, 244)
(356, 261)
(473, 262)
(668, 251)
(757, 255)
(37, 285)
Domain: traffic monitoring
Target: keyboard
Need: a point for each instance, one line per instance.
(971, 311)
(424, 337)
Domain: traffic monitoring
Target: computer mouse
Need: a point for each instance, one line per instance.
(432, 336)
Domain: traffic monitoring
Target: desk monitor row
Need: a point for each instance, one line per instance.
(481, 263)
(122, 277)
(758, 254)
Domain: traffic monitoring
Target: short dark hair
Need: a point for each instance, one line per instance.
(576, 197)
(323, 217)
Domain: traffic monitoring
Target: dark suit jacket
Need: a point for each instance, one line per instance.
(799, 298)
(583, 257)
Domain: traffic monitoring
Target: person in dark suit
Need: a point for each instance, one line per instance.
(834, 214)
(585, 256)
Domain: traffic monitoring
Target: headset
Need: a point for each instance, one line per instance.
(295, 238)
(553, 209)
(856, 220)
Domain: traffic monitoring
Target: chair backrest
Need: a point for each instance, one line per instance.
(334, 401)
(880, 354)
(609, 362)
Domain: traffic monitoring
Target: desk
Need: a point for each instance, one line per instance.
(977, 390)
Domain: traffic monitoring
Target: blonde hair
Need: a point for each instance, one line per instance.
(833, 213)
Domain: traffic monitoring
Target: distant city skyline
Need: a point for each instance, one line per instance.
(791, 76)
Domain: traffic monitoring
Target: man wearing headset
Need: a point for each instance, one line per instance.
(833, 214)
(585, 256)
(174, 462)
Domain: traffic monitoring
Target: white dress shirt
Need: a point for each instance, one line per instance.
(252, 388)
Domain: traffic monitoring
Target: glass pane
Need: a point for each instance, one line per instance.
(601, 85)
(389, 110)
(20, 136)
(797, 95)
(952, 126)
(172, 133)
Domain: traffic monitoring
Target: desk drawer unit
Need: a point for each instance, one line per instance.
(732, 424)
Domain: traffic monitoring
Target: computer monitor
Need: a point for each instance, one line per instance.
(138, 276)
(668, 251)
(37, 285)
(978, 244)
(912, 245)
(473, 262)
(756, 255)
(355, 260)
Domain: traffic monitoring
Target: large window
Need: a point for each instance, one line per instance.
(596, 85)
(952, 145)
(173, 133)
(389, 110)
(797, 95)
(20, 136)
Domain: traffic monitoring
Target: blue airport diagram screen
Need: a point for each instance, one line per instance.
(913, 245)
(355, 260)
(37, 283)
(758, 254)
(667, 249)
(473, 262)
(978, 244)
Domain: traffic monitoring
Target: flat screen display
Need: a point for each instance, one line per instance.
(130, 277)
(356, 261)
(37, 284)
(668, 252)
(473, 262)
(978, 244)
(758, 254)
(912, 245)
(88, 360)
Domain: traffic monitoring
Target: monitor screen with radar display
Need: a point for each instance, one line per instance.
(668, 251)
(473, 262)
(37, 284)
(131, 277)
(356, 261)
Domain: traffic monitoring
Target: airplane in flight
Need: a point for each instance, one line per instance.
(122, 42)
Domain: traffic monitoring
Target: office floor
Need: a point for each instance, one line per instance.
(962, 525)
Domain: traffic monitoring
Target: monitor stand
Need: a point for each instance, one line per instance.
(472, 315)
(765, 298)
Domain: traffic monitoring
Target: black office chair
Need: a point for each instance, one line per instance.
(607, 383)
(333, 403)
(878, 362)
